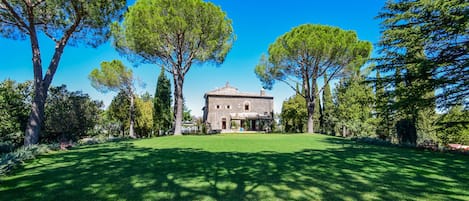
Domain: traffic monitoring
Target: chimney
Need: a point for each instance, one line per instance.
(262, 92)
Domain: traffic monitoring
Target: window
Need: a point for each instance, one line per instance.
(223, 123)
(247, 106)
(218, 106)
(228, 107)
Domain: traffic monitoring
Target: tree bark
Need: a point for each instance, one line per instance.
(344, 131)
(36, 116)
(311, 108)
(132, 116)
(179, 104)
(41, 87)
(41, 82)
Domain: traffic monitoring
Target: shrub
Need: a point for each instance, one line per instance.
(372, 140)
(10, 160)
(454, 126)
(6, 147)
(98, 140)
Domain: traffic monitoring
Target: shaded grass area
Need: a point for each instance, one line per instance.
(240, 167)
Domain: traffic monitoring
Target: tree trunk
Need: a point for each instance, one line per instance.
(311, 109)
(344, 131)
(36, 116)
(41, 87)
(178, 104)
(310, 96)
(42, 83)
(132, 116)
(310, 121)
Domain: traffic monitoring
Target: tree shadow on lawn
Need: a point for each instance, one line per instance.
(121, 171)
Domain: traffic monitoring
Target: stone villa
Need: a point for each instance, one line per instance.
(228, 110)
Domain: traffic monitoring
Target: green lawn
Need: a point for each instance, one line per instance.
(240, 167)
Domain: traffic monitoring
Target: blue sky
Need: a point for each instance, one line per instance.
(256, 24)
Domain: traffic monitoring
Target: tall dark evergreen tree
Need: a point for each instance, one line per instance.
(428, 42)
(162, 117)
(327, 109)
(383, 111)
(424, 48)
(426, 121)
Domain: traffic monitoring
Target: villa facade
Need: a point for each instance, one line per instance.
(228, 110)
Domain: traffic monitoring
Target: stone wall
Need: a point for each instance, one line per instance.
(219, 107)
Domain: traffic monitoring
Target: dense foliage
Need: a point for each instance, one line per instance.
(423, 57)
(15, 103)
(355, 101)
(383, 111)
(454, 126)
(118, 111)
(144, 115)
(427, 41)
(69, 115)
(118, 115)
(294, 114)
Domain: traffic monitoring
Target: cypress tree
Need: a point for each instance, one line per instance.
(328, 108)
(162, 118)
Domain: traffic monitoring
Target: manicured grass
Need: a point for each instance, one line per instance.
(240, 167)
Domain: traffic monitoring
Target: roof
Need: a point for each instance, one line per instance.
(228, 90)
